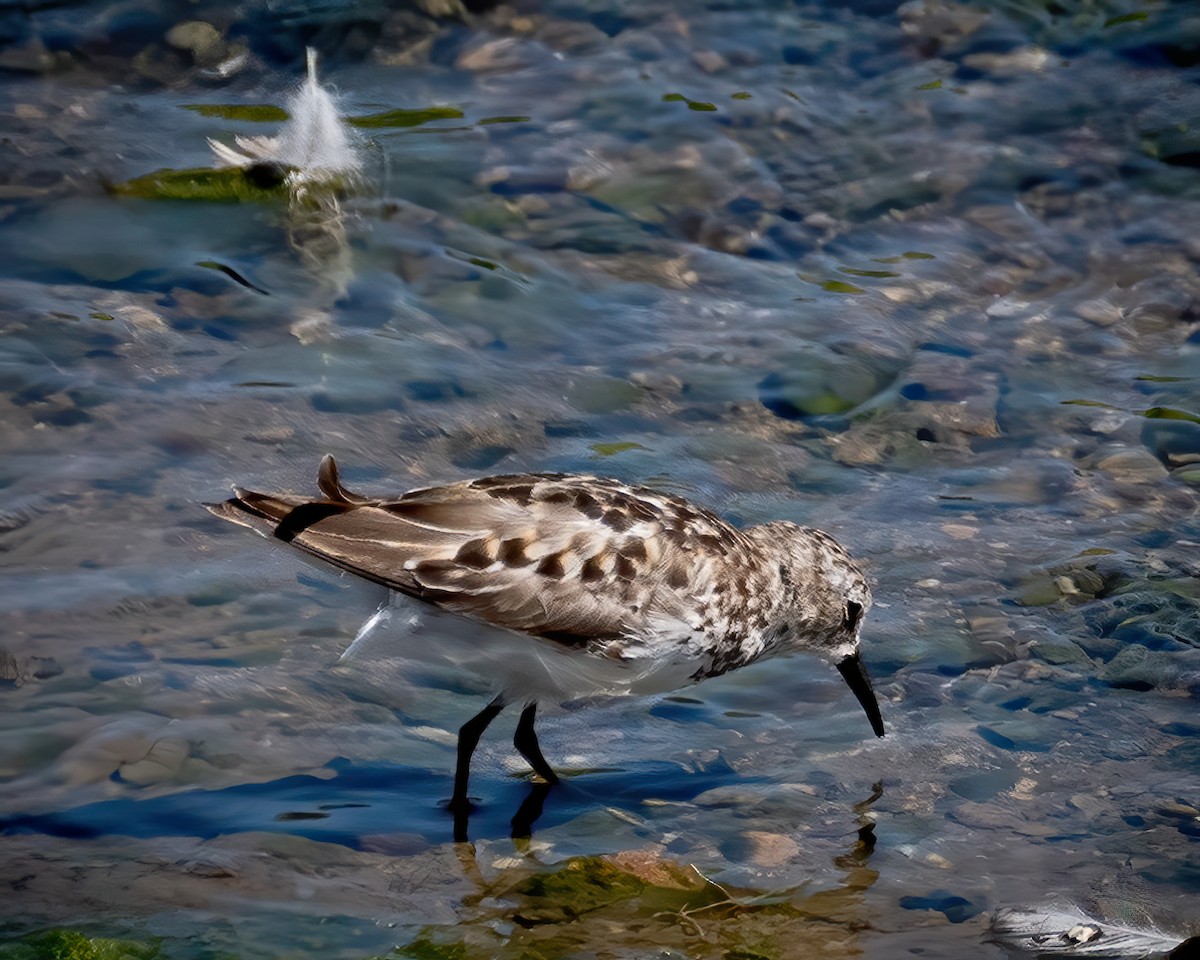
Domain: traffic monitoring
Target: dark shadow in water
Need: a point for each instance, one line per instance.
(529, 812)
(366, 800)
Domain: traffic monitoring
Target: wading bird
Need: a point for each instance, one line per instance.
(596, 588)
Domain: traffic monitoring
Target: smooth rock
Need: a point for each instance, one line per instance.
(194, 35)
(1133, 466)
(1137, 668)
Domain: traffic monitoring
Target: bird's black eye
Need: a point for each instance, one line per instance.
(854, 612)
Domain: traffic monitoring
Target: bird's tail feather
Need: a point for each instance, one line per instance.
(285, 515)
(331, 485)
(261, 512)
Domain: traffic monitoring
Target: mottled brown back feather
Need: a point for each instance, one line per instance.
(577, 560)
(542, 553)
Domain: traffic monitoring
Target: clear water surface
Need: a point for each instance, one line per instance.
(926, 276)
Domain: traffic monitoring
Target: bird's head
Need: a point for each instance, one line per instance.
(823, 600)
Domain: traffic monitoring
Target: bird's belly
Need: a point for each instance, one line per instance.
(440, 646)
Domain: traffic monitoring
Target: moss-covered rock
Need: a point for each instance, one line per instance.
(822, 381)
(1078, 580)
(583, 884)
(261, 183)
(63, 944)
(423, 948)
(638, 902)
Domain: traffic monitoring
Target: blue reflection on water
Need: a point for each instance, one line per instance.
(363, 800)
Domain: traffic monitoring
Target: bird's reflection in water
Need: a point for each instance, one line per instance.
(529, 811)
(523, 820)
(644, 900)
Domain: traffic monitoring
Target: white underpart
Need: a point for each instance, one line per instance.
(421, 641)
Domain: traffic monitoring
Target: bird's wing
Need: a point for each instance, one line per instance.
(572, 559)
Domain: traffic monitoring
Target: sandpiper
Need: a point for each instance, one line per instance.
(615, 589)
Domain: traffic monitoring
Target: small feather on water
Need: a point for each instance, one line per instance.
(314, 144)
(1068, 932)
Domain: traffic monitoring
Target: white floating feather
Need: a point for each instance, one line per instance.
(315, 143)
(1067, 932)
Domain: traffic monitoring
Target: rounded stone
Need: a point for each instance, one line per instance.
(195, 36)
(761, 848)
(1174, 442)
(1133, 466)
(1137, 668)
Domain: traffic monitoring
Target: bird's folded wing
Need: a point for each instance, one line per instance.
(531, 560)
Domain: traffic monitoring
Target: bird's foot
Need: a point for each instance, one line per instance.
(460, 805)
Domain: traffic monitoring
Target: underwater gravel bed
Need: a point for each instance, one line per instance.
(925, 276)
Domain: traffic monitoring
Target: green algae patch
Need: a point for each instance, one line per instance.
(907, 255)
(224, 185)
(391, 119)
(582, 885)
(60, 944)
(700, 105)
(931, 85)
(1170, 413)
(612, 449)
(250, 112)
(490, 120)
(824, 404)
(823, 382)
(427, 949)
(1136, 17)
(869, 274)
(635, 903)
(1038, 591)
(833, 286)
(603, 395)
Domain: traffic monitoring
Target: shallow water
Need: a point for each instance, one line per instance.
(924, 277)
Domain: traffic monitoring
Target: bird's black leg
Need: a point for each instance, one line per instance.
(468, 740)
(526, 742)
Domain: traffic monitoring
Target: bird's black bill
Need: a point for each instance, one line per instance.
(855, 674)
